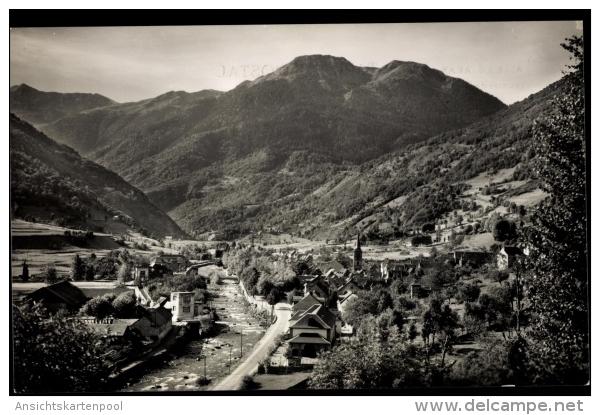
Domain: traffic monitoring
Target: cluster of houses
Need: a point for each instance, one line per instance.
(318, 323)
(147, 323)
(145, 326)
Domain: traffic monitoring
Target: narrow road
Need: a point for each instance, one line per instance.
(249, 365)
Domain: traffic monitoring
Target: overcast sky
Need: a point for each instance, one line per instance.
(509, 60)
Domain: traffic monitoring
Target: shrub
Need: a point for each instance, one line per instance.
(248, 383)
(203, 381)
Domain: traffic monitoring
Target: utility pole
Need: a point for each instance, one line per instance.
(241, 344)
(230, 347)
(517, 281)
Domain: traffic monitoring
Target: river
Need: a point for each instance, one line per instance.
(181, 370)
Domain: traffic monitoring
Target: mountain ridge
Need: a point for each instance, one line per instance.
(48, 177)
(324, 105)
(40, 107)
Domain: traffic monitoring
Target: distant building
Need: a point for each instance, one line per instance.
(177, 263)
(141, 273)
(155, 321)
(182, 305)
(60, 296)
(349, 287)
(415, 290)
(507, 256)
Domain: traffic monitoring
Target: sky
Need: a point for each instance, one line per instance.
(509, 60)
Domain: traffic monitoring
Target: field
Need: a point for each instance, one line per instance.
(43, 245)
(280, 382)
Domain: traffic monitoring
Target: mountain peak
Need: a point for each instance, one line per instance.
(406, 70)
(331, 72)
(21, 88)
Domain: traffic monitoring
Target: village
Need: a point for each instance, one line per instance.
(142, 318)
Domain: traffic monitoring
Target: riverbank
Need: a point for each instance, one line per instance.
(181, 369)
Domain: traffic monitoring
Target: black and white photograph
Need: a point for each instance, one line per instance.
(299, 208)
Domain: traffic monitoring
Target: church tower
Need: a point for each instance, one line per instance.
(357, 255)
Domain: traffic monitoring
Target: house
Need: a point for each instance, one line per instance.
(154, 322)
(317, 286)
(59, 296)
(348, 287)
(177, 263)
(415, 290)
(182, 305)
(337, 266)
(313, 330)
(373, 271)
(372, 283)
(507, 256)
(343, 302)
(306, 302)
(398, 269)
(141, 273)
(114, 330)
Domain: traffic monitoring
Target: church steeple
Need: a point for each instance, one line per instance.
(357, 255)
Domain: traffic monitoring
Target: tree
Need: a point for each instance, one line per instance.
(438, 277)
(368, 363)
(25, 272)
(49, 275)
(558, 236)
(468, 292)
(504, 230)
(124, 273)
(89, 272)
(439, 320)
(77, 272)
(455, 239)
(57, 355)
(367, 303)
(98, 307)
(428, 227)
(124, 304)
(499, 276)
(421, 240)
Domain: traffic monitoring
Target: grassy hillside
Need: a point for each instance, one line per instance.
(403, 190)
(51, 181)
(323, 111)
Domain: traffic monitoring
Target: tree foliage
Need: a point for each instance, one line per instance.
(56, 355)
(368, 363)
(98, 307)
(124, 304)
(49, 275)
(78, 268)
(558, 259)
(25, 272)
